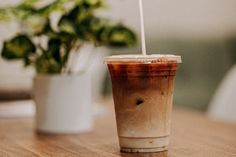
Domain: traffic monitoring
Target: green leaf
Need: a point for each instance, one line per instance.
(56, 5)
(9, 13)
(80, 13)
(47, 65)
(29, 3)
(54, 49)
(18, 47)
(48, 31)
(121, 36)
(4, 15)
(50, 61)
(35, 24)
(103, 36)
(67, 26)
(62, 35)
(99, 30)
(27, 61)
(97, 24)
(93, 3)
(82, 29)
(21, 11)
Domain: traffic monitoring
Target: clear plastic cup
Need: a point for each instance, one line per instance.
(143, 87)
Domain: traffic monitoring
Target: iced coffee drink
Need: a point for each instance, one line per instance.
(143, 87)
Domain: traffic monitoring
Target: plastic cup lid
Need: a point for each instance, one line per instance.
(147, 59)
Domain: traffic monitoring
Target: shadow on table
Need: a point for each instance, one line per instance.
(160, 154)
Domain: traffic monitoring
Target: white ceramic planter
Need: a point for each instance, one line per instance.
(63, 103)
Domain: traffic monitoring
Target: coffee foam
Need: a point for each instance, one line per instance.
(147, 59)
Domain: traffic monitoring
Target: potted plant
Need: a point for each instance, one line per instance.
(61, 93)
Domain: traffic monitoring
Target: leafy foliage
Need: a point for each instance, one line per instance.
(18, 47)
(77, 25)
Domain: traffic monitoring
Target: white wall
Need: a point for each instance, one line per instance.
(198, 18)
(188, 18)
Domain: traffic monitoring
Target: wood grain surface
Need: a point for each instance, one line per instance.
(193, 135)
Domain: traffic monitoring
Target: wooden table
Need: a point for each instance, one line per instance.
(193, 135)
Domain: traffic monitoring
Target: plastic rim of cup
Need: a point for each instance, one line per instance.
(146, 59)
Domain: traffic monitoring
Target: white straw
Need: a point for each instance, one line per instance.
(142, 28)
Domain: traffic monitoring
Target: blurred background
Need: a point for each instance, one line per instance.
(203, 32)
